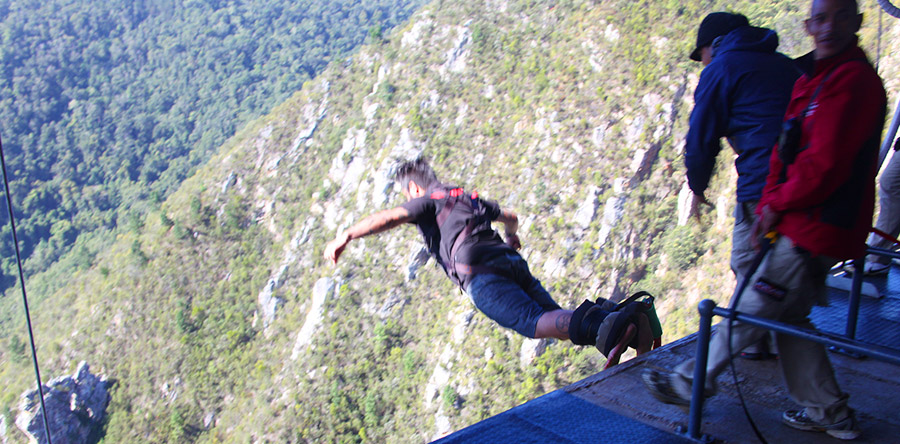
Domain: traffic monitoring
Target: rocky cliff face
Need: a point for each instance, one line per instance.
(75, 406)
(3, 434)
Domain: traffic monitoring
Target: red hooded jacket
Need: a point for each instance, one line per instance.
(826, 197)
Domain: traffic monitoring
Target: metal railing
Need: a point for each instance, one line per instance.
(845, 343)
(856, 289)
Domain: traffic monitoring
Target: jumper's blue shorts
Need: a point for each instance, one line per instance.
(514, 300)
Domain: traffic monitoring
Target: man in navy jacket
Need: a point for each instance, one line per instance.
(819, 198)
(742, 94)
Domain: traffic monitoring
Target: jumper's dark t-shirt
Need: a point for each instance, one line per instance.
(484, 243)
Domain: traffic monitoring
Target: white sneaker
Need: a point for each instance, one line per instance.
(875, 268)
(845, 429)
(870, 269)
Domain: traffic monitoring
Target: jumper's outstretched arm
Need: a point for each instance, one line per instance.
(372, 224)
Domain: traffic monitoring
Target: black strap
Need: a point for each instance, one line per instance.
(455, 269)
(633, 298)
(457, 243)
(802, 115)
(460, 238)
(445, 212)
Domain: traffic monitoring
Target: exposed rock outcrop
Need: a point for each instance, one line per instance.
(456, 56)
(324, 287)
(3, 438)
(268, 302)
(588, 208)
(417, 261)
(684, 204)
(612, 211)
(531, 349)
(76, 406)
(312, 116)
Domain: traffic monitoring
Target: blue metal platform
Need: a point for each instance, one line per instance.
(879, 319)
(612, 406)
(559, 417)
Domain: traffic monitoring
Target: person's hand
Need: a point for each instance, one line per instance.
(767, 221)
(696, 201)
(334, 248)
(513, 241)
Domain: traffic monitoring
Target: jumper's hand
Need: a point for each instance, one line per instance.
(696, 201)
(767, 221)
(334, 248)
(513, 241)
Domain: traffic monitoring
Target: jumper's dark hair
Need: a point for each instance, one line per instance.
(419, 171)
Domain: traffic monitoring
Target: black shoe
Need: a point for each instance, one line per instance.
(845, 429)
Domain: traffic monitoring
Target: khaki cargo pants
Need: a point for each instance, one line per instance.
(784, 288)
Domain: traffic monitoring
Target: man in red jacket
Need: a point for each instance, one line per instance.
(819, 197)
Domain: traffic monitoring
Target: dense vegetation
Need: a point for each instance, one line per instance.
(540, 106)
(108, 106)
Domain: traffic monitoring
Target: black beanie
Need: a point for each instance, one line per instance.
(715, 25)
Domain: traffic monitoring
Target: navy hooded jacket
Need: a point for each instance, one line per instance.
(742, 95)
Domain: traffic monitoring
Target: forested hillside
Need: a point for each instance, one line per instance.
(107, 106)
(218, 321)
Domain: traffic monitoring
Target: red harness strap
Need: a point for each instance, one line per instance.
(448, 207)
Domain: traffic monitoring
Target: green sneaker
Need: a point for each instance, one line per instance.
(845, 429)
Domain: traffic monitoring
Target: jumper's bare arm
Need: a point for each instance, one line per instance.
(372, 224)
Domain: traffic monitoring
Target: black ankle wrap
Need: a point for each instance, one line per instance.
(578, 333)
(586, 322)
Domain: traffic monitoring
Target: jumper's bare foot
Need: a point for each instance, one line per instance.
(616, 353)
